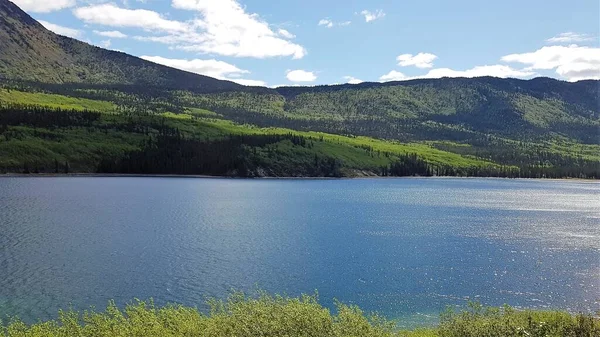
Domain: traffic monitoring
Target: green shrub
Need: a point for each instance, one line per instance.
(507, 322)
(278, 316)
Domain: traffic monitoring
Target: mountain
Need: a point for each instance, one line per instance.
(30, 52)
(452, 109)
(68, 106)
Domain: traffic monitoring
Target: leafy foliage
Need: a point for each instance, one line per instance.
(264, 315)
(507, 322)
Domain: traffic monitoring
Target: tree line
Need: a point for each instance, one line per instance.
(165, 149)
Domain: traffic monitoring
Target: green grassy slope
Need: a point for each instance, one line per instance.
(55, 101)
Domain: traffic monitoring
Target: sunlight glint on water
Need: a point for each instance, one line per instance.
(404, 247)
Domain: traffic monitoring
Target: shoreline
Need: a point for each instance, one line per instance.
(200, 176)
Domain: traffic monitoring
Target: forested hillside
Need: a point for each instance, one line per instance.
(130, 129)
(66, 106)
(452, 109)
(36, 139)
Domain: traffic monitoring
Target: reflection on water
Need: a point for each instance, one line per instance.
(403, 247)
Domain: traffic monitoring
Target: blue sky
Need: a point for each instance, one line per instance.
(312, 42)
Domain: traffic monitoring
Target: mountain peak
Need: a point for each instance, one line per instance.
(30, 52)
(9, 9)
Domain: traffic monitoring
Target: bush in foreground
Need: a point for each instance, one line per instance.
(274, 316)
(500, 322)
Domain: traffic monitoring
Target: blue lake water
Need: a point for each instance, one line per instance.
(406, 248)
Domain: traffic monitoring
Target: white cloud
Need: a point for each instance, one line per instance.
(286, 34)
(393, 76)
(326, 22)
(225, 28)
(372, 16)
(61, 30)
(570, 37)
(301, 76)
(329, 24)
(352, 80)
(572, 62)
(166, 39)
(212, 68)
(115, 34)
(43, 6)
(110, 15)
(421, 60)
(497, 70)
(251, 83)
(105, 44)
(222, 27)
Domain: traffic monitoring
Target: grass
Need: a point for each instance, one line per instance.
(81, 148)
(280, 316)
(425, 151)
(55, 101)
(342, 147)
(201, 112)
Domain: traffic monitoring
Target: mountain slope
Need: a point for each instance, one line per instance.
(456, 109)
(584, 92)
(30, 52)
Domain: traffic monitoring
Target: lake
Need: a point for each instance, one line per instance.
(406, 248)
